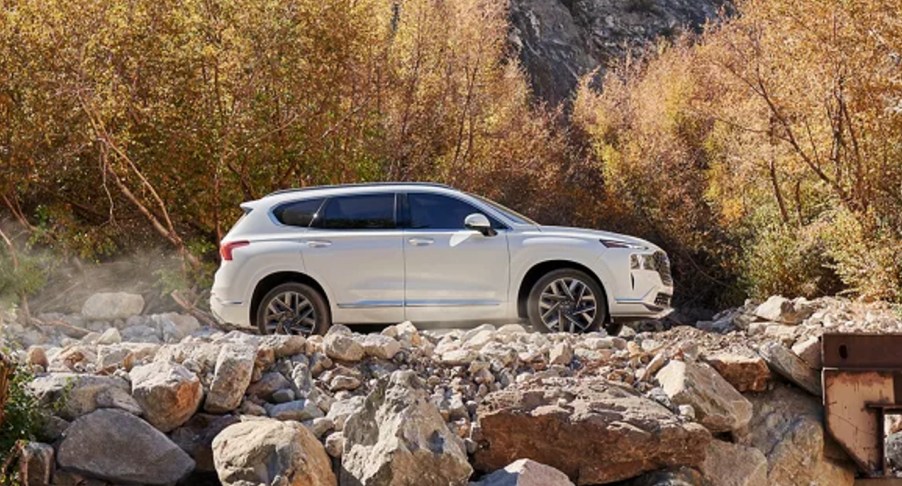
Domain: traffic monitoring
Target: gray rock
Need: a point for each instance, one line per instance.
(781, 309)
(342, 409)
(81, 394)
(335, 444)
(809, 350)
(174, 327)
(168, 393)
(893, 450)
(718, 406)
(729, 464)
(231, 378)
(110, 336)
(141, 334)
(270, 452)
(269, 384)
(785, 363)
(398, 437)
(525, 472)
(196, 437)
(121, 448)
(298, 410)
(342, 347)
(107, 306)
(35, 464)
(283, 395)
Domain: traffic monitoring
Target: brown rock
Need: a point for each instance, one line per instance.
(729, 464)
(168, 393)
(37, 357)
(618, 433)
(35, 464)
(747, 372)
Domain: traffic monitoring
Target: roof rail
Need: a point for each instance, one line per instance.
(358, 184)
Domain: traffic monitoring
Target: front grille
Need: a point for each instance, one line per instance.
(662, 264)
(662, 300)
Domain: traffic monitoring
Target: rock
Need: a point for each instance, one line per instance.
(35, 464)
(786, 364)
(682, 476)
(787, 427)
(121, 448)
(561, 354)
(781, 309)
(196, 437)
(459, 357)
(619, 434)
(746, 371)
(809, 350)
(37, 357)
(108, 306)
(298, 410)
(342, 409)
(320, 426)
(82, 394)
(141, 334)
(893, 450)
(342, 378)
(398, 437)
(381, 346)
(718, 406)
(270, 452)
(110, 336)
(168, 393)
(73, 358)
(335, 444)
(526, 472)
(269, 384)
(342, 347)
(174, 327)
(284, 345)
(231, 378)
(729, 464)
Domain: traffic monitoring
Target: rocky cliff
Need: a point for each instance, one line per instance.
(559, 41)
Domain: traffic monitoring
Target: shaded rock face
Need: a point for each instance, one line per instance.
(400, 438)
(526, 472)
(121, 448)
(729, 464)
(266, 451)
(560, 41)
(618, 433)
(787, 426)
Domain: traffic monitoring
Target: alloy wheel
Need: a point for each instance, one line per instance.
(567, 305)
(290, 313)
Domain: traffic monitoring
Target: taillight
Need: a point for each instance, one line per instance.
(226, 249)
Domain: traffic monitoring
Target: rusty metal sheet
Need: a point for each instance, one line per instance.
(862, 351)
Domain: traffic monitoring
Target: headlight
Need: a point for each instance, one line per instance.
(621, 244)
(644, 262)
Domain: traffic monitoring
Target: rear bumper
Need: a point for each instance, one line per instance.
(230, 312)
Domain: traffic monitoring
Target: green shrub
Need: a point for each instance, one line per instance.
(24, 418)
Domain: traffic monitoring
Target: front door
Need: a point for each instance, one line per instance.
(354, 248)
(451, 273)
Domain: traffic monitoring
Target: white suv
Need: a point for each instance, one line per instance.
(299, 260)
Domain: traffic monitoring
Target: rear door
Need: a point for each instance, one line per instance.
(354, 249)
(452, 273)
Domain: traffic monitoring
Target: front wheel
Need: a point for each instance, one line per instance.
(293, 308)
(566, 300)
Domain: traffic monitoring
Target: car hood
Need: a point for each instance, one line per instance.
(595, 234)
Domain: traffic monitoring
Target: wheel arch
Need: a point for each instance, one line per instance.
(273, 280)
(540, 269)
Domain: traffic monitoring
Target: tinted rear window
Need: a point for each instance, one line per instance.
(298, 213)
(369, 211)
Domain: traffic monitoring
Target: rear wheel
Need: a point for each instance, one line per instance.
(293, 308)
(566, 300)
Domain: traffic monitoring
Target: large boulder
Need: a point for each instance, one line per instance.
(728, 464)
(168, 393)
(399, 437)
(788, 365)
(780, 309)
(341, 346)
(265, 451)
(108, 306)
(718, 406)
(526, 472)
(231, 377)
(593, 430)
(787, 426)
(80, 394)
(121, 448)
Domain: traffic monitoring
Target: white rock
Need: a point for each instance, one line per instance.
(718, 405)
(107, 306)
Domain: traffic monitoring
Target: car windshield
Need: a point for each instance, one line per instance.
(507, 212)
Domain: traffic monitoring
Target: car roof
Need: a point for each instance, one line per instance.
(325, 191)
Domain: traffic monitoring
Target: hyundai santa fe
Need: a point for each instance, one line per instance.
(299, 260)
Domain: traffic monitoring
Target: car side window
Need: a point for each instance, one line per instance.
(298, 213)
(366, 211)
(435, 211)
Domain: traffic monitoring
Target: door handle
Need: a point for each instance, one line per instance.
(421, 241)
(318, 243)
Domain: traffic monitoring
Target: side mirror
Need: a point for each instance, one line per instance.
(478, 222)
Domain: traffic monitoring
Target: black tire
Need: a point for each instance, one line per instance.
(613, 328)
(321, 318)
(534, 313)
